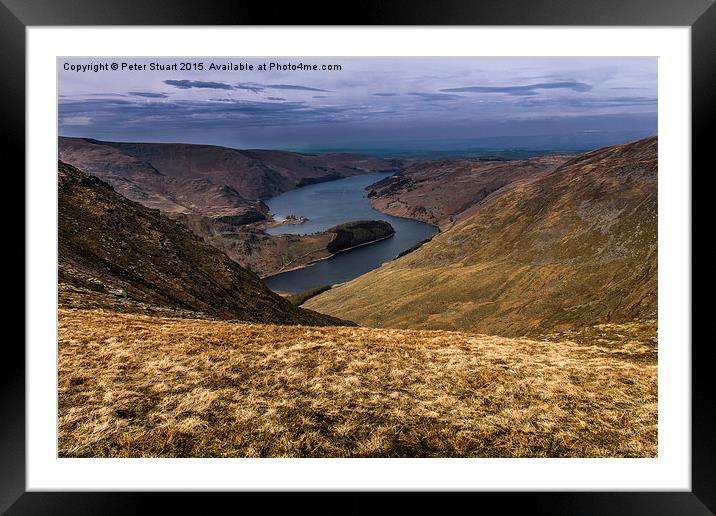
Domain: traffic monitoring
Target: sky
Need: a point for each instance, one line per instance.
(435, 103)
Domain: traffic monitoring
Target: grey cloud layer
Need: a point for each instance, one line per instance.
(528, 89)
(219, 112)
(185, 85)
(430, 97)
(394, 97)
(148, 94)
(254, 87)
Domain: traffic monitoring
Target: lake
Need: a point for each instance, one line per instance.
(327, 205)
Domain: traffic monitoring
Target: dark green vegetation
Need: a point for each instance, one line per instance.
(270, 254)
(301, 297)
(359, 232)
(115, 252)
(414, 247)
(322, 179)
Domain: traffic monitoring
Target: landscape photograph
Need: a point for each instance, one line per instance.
(357, 257)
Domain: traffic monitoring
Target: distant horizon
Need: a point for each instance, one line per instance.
(389, 149)
(367, 103)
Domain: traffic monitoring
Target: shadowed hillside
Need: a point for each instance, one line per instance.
(567, 249)
(115, 252)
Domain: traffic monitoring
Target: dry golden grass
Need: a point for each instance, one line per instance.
(134, 385)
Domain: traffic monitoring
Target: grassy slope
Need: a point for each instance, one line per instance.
(148, 386)
(566, 250)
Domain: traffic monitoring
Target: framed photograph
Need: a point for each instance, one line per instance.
(426, 248)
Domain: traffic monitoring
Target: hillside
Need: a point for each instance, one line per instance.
(141, 386)
(437, 192)
(115, 252)
(567, 249)
(187, 178)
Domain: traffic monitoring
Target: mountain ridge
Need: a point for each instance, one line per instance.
(253, 174)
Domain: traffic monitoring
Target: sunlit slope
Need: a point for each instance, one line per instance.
(572, 248)
(140, 386)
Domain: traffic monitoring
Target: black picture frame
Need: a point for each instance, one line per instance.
(17, 15)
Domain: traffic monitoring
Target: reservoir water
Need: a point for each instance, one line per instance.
(331, 203)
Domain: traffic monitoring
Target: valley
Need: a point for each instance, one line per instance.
(219, 193)
(524, 327)
(359, 257)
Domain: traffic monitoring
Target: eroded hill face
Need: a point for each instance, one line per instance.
(135, 176)
(113, 251)
(437, 192)
(574, 247)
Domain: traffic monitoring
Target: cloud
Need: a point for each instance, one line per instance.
(148, 94)
(195, 115)
(371, 100)
(185, 85)
(76, 120)
(528, 89)
(250, 86)
(292, 87)
(589, 102)
(104, 95)
(431, 97)
(255, 87)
